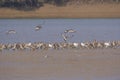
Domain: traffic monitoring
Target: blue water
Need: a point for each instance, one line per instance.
(87, 30)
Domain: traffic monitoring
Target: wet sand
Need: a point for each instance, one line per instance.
(70, 11)
(99, 64)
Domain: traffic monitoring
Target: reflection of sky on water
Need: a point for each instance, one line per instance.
(87, 29)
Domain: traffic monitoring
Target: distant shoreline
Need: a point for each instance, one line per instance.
(74, 11)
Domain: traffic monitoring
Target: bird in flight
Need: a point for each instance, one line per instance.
(37, 28)
(11, 32)
(69, 31)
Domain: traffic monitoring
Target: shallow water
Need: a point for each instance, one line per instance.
(87, 29)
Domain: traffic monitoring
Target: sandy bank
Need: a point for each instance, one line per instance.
(74, 11)
(61, 65)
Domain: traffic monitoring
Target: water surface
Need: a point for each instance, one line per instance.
(87, 30)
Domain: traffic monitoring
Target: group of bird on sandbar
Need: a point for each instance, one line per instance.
(58, 45)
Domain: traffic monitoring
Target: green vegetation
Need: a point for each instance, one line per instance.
(22, 4)
(34, 4)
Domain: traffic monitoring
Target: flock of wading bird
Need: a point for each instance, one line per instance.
(59, 45)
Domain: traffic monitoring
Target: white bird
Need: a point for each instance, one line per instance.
(29, 44)
(11, 32)
(76, 44)
(50, 45)
(82, 44)
(107, 44)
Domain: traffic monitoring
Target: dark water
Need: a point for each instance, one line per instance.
(87, 29)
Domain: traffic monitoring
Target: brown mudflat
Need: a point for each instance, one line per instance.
(60, 64)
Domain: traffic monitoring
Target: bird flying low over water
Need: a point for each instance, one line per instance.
(11, 32)
(37, 28)
(69, 31)
(64, 37)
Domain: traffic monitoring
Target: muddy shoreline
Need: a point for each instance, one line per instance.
(99, 64)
